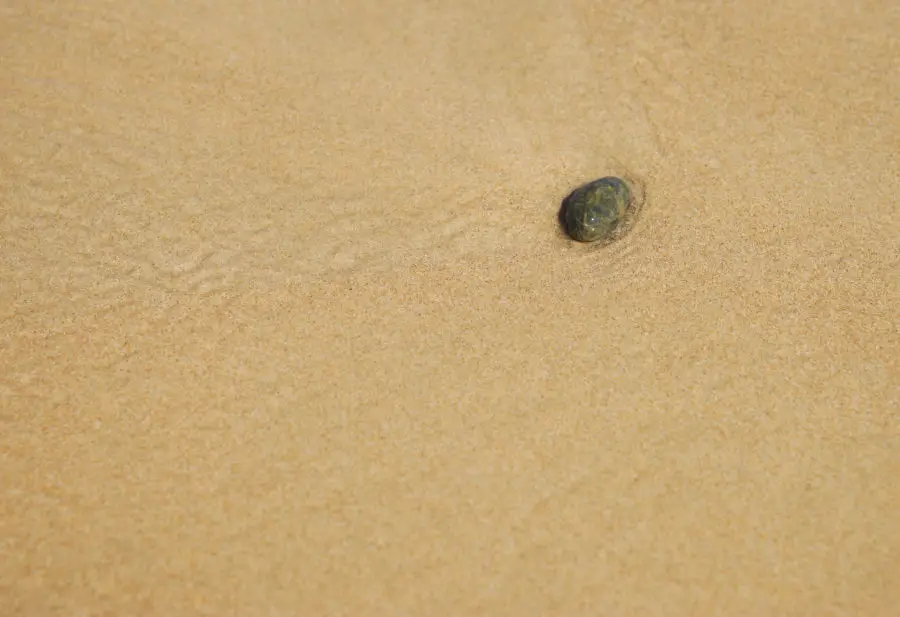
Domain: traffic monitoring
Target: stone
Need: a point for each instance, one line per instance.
(594, 211)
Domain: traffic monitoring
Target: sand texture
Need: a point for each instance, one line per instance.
(289, 326)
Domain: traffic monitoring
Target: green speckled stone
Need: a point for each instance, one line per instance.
(595, 210)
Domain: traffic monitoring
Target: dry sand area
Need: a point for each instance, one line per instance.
(288, 324)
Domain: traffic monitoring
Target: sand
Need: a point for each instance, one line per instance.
(288, 325)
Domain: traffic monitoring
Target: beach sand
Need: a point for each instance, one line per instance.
(288, 324)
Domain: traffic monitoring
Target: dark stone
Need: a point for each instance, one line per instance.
(594, 211)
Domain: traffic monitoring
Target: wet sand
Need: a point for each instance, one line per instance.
(288, 325)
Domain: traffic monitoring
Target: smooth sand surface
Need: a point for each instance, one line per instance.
(288, 325)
